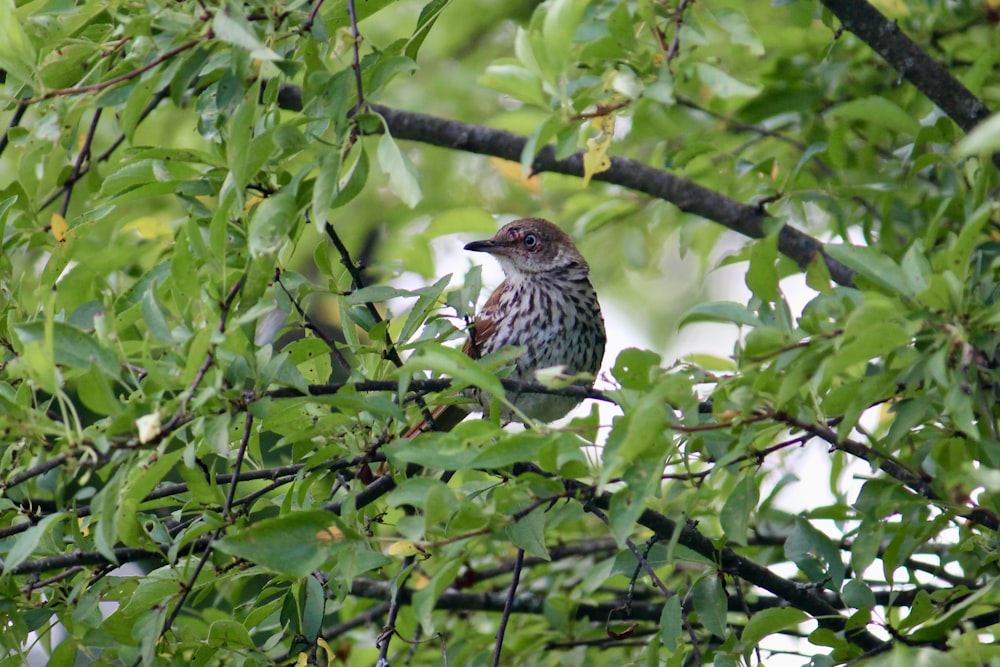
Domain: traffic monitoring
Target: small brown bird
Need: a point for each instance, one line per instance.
(546, 305)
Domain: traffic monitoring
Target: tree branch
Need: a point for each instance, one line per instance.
(913, 63)
(438, 384)
(745, 219)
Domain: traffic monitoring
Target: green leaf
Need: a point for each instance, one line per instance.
(428, 17)
(724, 85)
(865, 547)
(528, 533)
(635, 368)
(17, 53)
(670, 623)
(425, 599)
(710, 602)
(721, 311)
(879, 111)
(136, 487)
(453, 363)
(770, 621)
(875, 266)
(238, 138)
(736, 512)
(295, 543)
(517, 448)
(233, 27)
(740, 31)
(762, 276)
(312, 602)
(352, 181)
(857, 594)
(921, 609)
(271, 224)
(402, 174)
(984, 138)
(69, 346)
(376, 294)
(326, 187)
(520, 83)
(874, 340)
(229, 634)
(562, 17)
(27, 542)
(432, 450)
(816, 555)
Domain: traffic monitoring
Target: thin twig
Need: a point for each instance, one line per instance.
(385, 637)
(225, 307)
(312, 326)
(34, 471)
(675, 43)
(161, 95)
(358, 281)
(438, 384)
(508, 606)
(186, 589)
(311, 19)
(22, 107)
(35, 584)
(356, 63)
(79, 90)
(84, 155)
(244, 441)
(747, 612)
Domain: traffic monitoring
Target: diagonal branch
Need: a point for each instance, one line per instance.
(688, 196)
(913, 63)
(746, 219)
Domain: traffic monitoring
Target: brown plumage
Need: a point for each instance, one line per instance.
(547, 305)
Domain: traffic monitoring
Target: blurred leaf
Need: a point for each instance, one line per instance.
(877, 110)
(232, 26)
(17, 53)
(710, 602)
(739, 506)
(453, 363)
(558, 28)
(724, 85)
(271, 223)
(857, 594)
(516, 81)
(69, 346)
(982, 139)
(402, 175)
(670, 623)
(27, 542)
(770, 621)
(635, 369)
(528, 533)
(740, 31)
(721, 311)
(875, 266)
(294, 544)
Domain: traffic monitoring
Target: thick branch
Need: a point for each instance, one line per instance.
(745, 219)
(913, 63)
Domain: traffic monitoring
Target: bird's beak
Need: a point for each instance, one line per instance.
(488, 245)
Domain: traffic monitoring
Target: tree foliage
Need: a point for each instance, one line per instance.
(225, 306)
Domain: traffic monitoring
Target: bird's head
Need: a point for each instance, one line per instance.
(532, 246)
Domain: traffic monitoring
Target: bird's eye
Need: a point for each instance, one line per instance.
(530, 241)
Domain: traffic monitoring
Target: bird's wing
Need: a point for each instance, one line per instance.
(485, 324)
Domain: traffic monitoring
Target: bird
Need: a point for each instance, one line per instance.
(547, 305)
